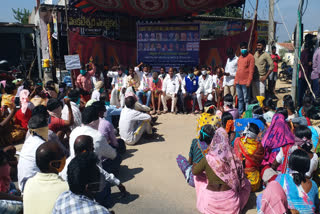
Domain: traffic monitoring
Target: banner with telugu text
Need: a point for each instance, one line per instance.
(169, 45)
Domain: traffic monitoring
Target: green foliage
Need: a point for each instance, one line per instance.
(282, 52)
(21, 15)
(227, 12)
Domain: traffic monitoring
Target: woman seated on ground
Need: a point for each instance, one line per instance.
(307, 102)
(228, 106)
(7, 99)
(248, 112)
(302, 193)
(208, 117)
(228, 125)
(257, 114)
(251, 152)
(269, 109)
(302, 142)
(273, 200)
(277, 136)
(226, 189)
(289, 105)
(198, 150)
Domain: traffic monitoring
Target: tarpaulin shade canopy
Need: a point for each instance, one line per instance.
(153, 8)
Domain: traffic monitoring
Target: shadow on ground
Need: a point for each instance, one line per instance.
(129, 153)
(126, 174)
(118, 198)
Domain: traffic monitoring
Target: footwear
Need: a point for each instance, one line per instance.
(175, 112)
(158, 112)
(185, 112)
(201, 111)
(164, 111)
(196, 112)
(153, 112)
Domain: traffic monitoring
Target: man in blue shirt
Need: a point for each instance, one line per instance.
(189, 87)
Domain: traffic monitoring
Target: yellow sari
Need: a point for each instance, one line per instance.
(206, 118)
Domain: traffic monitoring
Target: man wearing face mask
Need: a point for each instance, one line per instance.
(244, 75)
(144, 88)
(119, 85)
(262, 61)
(84, 180)
(90, 124)
(230, 73)
(84, 78)
(74, 96)
(204, 91)
(189, 88)
(42, 190)
(57, 124)
(98, 89)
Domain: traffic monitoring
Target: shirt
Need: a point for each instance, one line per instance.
(27, 160)
(155, 86)
(276, 59)
(95, 95)
(76, 114)
(119, 82)
(22, 119)
(231, 68)
(129, 122)
(112, 110)
(56, 124)
(262, 61)
(245, 70)
(170, 85)
(133, 81)
(100, 144)
(84, 81)
(180, 78)
(144, 82)
(205, 85)
(107, 130)
(71, 203)
(41, 193)
(316, 65)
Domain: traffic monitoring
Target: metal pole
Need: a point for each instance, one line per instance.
(67, 25)
(271, 25)
(297, 54)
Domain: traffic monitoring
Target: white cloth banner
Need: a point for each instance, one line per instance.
(72, 62)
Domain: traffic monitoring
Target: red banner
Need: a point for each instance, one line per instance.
(104, 51)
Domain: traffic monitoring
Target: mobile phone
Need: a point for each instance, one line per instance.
(17, 102)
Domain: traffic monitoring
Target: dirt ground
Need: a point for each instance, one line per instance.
(151, 175)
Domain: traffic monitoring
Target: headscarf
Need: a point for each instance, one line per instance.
(223, 161)
(278, 134)
(24, 94)
(98, 85)
(301, 141)
(274, 199)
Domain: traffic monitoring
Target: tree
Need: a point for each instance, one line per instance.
(22, 16)
(235, 12)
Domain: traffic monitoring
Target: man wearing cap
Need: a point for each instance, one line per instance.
(98, 89)
(42, 190)
(90, 123)
(38, 134)
(74, 96)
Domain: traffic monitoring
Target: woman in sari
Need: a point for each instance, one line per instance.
(248, 112)
(208, 117)
(226, 190)
(228, 124)
(269, 109)
(251, 152)
(302, 193)
(198, 150)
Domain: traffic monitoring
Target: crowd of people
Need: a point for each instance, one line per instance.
(71, 154)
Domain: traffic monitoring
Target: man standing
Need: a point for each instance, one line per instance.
(42, 190)
(119, 87)
(244, 76)
(262, 61)
(273, 76)
(84, 79)
(170, 88)
(189, 88)
(230, 73)
(315, 75)
(205, 89)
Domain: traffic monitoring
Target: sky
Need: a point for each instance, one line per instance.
(288, 9)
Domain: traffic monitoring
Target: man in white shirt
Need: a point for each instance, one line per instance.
(181, 75)
(74, 97)
(230, 73)
(170, 88)
(133, 123)
(205, 89)
(119, 87)
(98, 88)
(38, 134)
(144, 88)
(106, 154)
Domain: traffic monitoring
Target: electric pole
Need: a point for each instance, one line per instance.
(297, 54)
(271, 25)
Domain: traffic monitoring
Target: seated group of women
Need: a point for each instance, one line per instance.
(232, 157)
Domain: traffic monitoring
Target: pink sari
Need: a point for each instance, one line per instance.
(228, 168)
